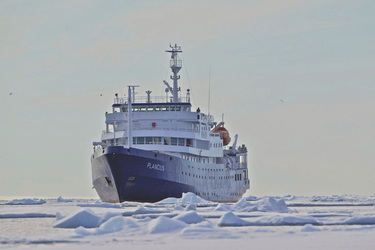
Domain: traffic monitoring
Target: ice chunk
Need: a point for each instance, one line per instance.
(33, 201)
(26, 215)
(270, 204)
(361, 220)
(85, 218)
(170, 200)
(165, 225)
(187, 198)
(191, 207)
(178, 208)
(231, 220)
(223, 207)
(143, 210)
(190, 217)
(251, 198)
(60, 199)
(102, 204)
(114, 224)
(108, 215)
(267, 204)
(281, 220)
(309, 228)
(244, 206)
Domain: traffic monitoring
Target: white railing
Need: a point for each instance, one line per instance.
(154, 129)
(152, 99)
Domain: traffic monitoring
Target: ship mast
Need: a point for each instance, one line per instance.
(176, 65)
(130, 136)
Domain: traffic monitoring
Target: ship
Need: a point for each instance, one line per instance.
(155, 147)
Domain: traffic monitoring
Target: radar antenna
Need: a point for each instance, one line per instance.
(176, 65)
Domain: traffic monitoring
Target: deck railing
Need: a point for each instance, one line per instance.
(152, 99)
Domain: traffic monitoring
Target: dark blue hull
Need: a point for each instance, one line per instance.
(137, 175)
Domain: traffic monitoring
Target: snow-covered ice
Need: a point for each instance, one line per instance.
(289, 222)
(33, 201)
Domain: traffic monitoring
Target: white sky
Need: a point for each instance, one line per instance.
(57, 57)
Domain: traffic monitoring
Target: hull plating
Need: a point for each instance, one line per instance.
(138, 175)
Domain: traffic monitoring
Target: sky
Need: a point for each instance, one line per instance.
(294, 79)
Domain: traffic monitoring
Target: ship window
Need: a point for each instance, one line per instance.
(164, 108)
(157, 108)
(150, 108)
(149, 140)
(124, 109)
(181, 142)
(138, 140)
(135, 109)
(174, 141)
(143, 109)
(157, 140)
(178, 108)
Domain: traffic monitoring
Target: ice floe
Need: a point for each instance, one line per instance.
(283, 220)
(25, 215)
(229, 219)
(60, 199)
(84, 218)
(114, 224)
(165, 225)
(267, 204)
(26, 201)
(101, 204)
(310, 228)
(190, 217)
(188, 198)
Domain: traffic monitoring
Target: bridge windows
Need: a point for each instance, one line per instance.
(162, 141)
(147, 108)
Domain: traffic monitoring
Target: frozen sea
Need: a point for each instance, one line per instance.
(190, 222)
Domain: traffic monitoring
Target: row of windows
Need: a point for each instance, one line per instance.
(163, 141)
(216, 145)
(208, 169)
(237, 177)
(152, 140)
(151, 108)
(214, 194)
(196, 159)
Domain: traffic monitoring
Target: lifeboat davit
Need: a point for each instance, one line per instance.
(224, 134)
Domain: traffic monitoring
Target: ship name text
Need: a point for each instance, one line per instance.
(155, 166)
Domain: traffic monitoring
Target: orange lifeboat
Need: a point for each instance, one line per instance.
(224, 134)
